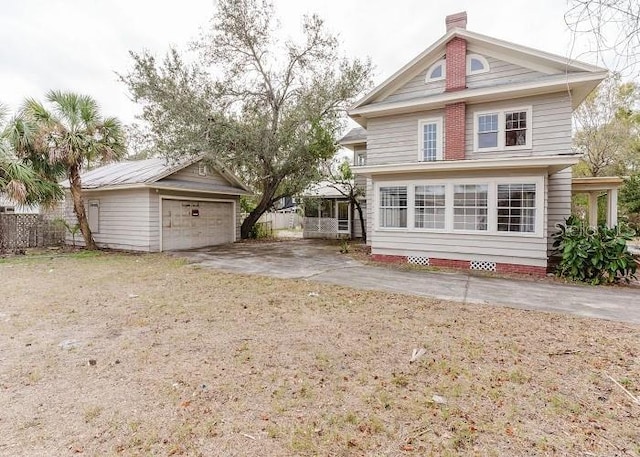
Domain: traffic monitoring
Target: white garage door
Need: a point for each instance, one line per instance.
(188, 224)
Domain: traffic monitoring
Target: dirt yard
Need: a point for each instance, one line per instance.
(116, 354)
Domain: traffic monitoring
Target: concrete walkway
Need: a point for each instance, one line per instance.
(318, 261)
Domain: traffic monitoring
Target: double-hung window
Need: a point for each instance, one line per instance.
(429, 207)
(470, 206)
(488, 130)
(393, 207)
(503, 130)
(430, 140)
(517, 208)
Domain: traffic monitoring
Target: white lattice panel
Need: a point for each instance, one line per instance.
(482, 265)
(418, 260)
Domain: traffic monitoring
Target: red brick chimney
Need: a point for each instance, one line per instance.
(454, 114)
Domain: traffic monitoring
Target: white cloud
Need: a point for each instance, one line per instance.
(79, 45)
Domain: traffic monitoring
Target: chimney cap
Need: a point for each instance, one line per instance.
(457, 20)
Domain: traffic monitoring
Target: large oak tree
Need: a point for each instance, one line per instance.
(268, 108)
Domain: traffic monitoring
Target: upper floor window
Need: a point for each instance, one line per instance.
(476, 64)
(430, 139)
(361, 159)
(437, 71)
(202, 169)
(502, 130)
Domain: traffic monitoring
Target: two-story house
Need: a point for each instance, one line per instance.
(467, 153)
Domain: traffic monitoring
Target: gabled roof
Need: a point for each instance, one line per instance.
(544, 62)
(148, 172)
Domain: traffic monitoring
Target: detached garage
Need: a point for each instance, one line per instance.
(152, 205)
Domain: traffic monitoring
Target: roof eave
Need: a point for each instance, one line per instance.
(584, 81)
(551, 163)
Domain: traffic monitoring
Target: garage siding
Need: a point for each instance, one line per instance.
(124, 219)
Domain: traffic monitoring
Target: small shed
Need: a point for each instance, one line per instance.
(155, 205)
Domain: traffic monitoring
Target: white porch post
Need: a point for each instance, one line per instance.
(593, 209)
(612, 207)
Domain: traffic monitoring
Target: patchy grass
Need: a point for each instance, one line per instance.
(196, 362)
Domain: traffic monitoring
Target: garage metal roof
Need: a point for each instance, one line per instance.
(130, 172)
(136, 173)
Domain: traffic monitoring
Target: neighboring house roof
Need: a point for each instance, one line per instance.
(357, 135)
(326, 189)
(151, 173)
(559, 73)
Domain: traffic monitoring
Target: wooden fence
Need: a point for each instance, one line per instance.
(21, 231)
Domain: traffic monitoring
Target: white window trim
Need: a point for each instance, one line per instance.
(433, 67)
(360, 155)
(439, 138)
(501, 129)
(492, 205)
(482, 59)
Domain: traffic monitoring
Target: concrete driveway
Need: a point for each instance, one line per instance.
(319, 261)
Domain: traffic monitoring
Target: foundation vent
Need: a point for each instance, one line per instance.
(482, 265)
(418, 260)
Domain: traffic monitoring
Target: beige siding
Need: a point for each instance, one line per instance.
(191, 174)
(124, 219)
(516, 250)
(558, 201)
(551, 129)
(417, 88)
(155, 221)
(394, 139)
(501, 72)
(507, 248)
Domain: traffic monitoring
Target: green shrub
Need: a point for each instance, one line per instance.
(261, 230)
(594, 255)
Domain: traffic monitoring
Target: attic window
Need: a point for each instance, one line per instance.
(436, 72)
(477, 64)
(202, 169)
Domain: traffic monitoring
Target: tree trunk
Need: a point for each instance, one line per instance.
(363, 226)
(263, 206)
(78, 208)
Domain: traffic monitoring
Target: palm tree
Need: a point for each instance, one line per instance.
(66, 138)
(18, 179)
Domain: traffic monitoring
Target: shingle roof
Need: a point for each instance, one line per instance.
(355, 135)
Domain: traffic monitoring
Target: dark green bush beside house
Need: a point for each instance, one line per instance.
(597, 255)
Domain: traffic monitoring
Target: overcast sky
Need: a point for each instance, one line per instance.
(78, 45)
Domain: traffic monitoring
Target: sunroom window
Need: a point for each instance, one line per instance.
(517, 208)
(470, 206)
(393, 207)
(430, 207)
